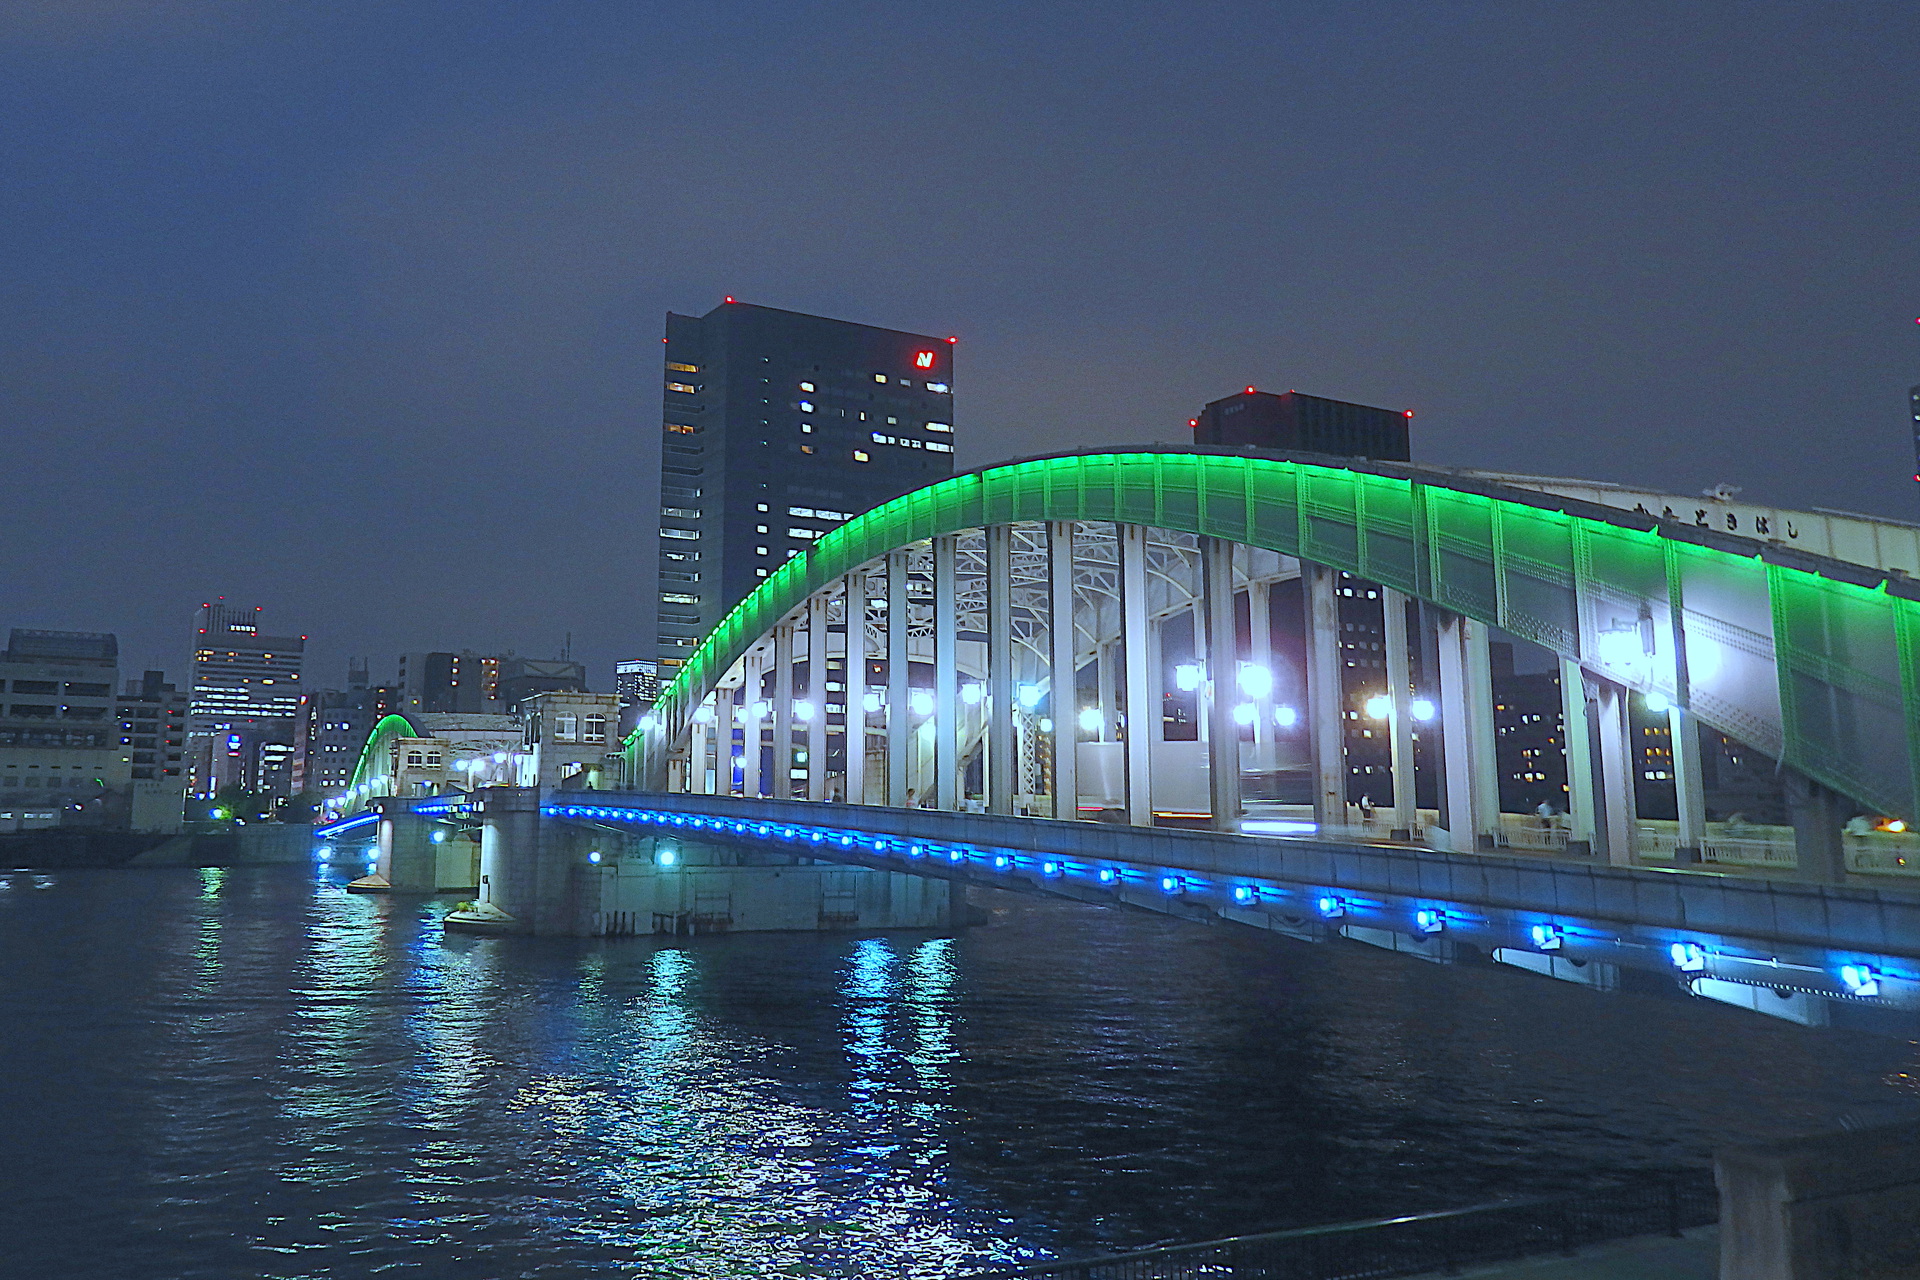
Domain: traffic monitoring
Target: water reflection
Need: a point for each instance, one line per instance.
(256, 1073)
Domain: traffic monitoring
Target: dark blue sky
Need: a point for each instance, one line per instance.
(353, 309)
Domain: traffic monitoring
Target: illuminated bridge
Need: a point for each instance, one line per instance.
(1154, 637)
(1270, 689)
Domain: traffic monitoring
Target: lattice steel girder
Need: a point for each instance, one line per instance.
(1810, 659)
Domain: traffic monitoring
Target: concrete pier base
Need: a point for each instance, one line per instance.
(572, 877)
(1832, 1207)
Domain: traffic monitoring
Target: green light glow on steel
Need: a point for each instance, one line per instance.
(390, 726)
(1847, 652)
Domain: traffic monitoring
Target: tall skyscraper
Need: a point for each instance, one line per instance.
(239, 673)
(1913, 408)
(244, 702)
(779, 427)
(1309, 423)
(637, 681)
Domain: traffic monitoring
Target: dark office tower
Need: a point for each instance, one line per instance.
(1913, 408)
(779, 427)
(1311, 424)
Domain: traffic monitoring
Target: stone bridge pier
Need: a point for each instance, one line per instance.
(550, 867)
(537, 876)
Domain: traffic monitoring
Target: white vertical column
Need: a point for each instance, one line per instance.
(1689, 792)
(1576, 740)
(697, 757)
(899, 696)
(1259, 654)
(1002, 761)
(1466, 716)
(946, 681)
(750, 740)
(1143, 708)
(783, 711)
(1326, 708)
(817, 695)
(1222, 666)
(854, 588)
(1107, 688)
(1619, 817)
(1062, 685)
(1393, 607)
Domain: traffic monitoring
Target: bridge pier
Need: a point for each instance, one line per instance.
(1818, 815)
(534, 877)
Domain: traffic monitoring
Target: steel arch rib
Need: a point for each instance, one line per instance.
(1844, 706)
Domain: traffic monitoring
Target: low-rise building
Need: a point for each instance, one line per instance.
(567, 738)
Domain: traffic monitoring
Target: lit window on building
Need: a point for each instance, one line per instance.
(683, 368)
(682, 387)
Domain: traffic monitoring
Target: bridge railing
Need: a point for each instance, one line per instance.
(1420, 1243)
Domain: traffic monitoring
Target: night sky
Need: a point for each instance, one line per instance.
(353, 310)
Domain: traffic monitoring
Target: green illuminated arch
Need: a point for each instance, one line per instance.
(390, 726)
(1840, 703)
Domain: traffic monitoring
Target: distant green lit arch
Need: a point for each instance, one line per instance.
(389, 727)
(1842, 639)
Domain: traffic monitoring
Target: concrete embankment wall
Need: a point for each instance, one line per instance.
(264, 845)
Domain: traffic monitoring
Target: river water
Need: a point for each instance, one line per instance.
(250, 1073)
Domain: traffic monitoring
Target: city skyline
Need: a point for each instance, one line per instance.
(326, 353)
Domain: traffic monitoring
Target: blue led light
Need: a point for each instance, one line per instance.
(1170, 884)
(1546, 937)
(1428, 921)
(666, 857)
(1688, 957)
(1107, 875)
(954, 855)
(847, 841)
(594, 858)
(1245, 894)
(1001, 861)
(1049, 868)
(1332, 908)
(913, 851)
(1860, 979)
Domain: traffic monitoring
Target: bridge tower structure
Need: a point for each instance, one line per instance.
(1155, 638)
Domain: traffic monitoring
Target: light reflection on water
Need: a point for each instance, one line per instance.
(251, 1073)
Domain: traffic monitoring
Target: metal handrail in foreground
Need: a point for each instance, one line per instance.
(1404, 1246)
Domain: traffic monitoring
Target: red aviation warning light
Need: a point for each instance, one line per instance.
(923, 359)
